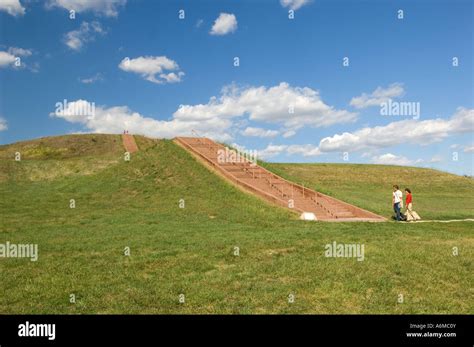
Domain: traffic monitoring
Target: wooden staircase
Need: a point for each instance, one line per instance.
(274, 188)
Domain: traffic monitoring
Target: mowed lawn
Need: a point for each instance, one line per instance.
(192, 250)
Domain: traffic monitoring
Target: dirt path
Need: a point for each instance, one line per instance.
(443, 221)
(129, 143)
(265, 184)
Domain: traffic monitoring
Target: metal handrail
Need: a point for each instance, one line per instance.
(312, 195)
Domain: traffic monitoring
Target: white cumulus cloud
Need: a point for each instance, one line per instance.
(401, 132)
(304, 150)
(22, 52)
(7, 58)
(469, 149)
(89, 80)
(271, 151)
(224, 24)
(294, 4)
(259, 132)
(87, 32)
(220, 117)
(108, 8)
(436, 159)
(113, 120)
(154, 69)
(378, 96)
(271, 105)
(3, 124)
(392, 159)
(12, 7)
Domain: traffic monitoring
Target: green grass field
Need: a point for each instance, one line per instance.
(190, 250)
(436, 195)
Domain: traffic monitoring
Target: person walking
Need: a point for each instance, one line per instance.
(397, 200)
(410, 214)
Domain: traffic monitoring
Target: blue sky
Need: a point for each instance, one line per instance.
(291, 97)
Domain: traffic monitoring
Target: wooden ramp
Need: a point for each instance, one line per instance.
(274, 188)
(129, 143)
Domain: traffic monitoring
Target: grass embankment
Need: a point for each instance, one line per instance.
(436, 194)
(190, 250)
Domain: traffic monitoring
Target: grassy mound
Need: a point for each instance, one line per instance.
(226, 251)
(60, 156)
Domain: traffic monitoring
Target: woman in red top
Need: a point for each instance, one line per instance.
(410, 214)
(408, 199)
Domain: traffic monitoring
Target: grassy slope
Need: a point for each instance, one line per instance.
(190, 250)
(436, 194)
